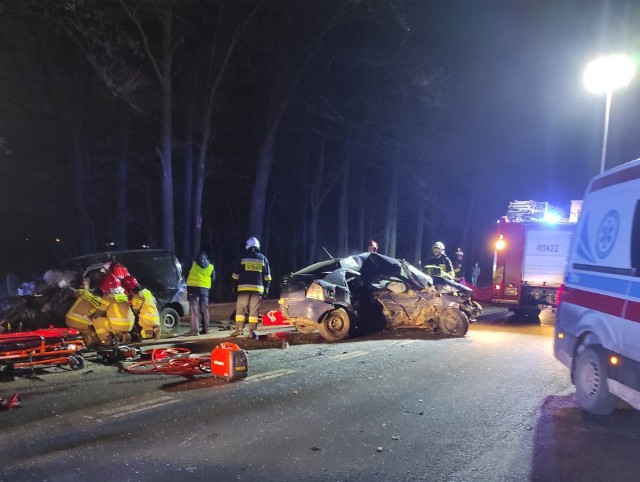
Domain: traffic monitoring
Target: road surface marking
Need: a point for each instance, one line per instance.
(405, 342)
(138, 407)
(268, 375)
(345, 356)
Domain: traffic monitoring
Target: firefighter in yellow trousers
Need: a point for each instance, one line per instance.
(144, 308)
(102, 319)
(81, 315)
(114, 325)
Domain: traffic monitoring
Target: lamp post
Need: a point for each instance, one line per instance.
(603, 76)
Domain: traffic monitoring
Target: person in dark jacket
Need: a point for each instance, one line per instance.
(253, 276)
(201, 275)
(440, 259)
(458, 266)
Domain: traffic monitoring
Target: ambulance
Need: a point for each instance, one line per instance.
(597, 332)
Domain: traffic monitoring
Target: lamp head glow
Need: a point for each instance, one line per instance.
(500, 243)
(606, 74)
(551, 218)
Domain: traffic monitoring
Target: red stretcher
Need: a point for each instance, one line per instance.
(38, 348)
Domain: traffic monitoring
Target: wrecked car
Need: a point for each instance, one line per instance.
(371, 292)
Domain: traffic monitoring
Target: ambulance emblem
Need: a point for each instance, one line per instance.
(607, 234)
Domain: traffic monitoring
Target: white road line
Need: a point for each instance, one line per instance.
(268, 375)
(345, 356)
(138, 407)
(188, 440)
(405, 342)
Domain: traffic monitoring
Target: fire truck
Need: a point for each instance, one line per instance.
(531, 250)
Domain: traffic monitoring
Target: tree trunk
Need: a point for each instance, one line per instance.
(362, 203)
(122, 164)
(417, 253)
(392, 216)
(342, 241)
(168, 233)
(265, 161)
(187, 194)
(84, 227)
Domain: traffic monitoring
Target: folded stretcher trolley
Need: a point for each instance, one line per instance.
(47, 347)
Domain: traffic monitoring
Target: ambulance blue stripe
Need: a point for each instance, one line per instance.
(603, 284)
(634, 292)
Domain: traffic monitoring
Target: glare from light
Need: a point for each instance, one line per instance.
(606, 74)
(500, 243)
(551, 218)
(614, 360)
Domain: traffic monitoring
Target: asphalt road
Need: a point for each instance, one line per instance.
(492, 406)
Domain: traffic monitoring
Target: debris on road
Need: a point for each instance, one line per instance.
(13, 402)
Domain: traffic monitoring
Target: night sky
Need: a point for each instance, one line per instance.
(513, 121)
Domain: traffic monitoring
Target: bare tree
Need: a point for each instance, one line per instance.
(289, 73)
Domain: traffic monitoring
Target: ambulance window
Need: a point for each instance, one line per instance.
(635, 240)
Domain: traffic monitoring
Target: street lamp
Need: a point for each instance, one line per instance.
(603, 76)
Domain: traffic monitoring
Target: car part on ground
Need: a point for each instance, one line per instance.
(372, 292)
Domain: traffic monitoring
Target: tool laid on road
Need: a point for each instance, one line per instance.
(47, 347)
(227, 360)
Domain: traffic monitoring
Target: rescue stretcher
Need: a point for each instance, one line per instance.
(38, 348)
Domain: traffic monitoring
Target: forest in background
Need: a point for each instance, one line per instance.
(181, 124)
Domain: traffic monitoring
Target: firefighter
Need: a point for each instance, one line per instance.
(201, 275)
(440, 260)
(114, 324)
(82, 313)
(458, 267)
(253, 276)
(143, 305)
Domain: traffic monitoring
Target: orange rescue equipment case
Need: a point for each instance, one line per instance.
(229, 361)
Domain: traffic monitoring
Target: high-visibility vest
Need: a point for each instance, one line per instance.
(199, 276)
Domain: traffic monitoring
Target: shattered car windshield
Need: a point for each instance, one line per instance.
(424, 279)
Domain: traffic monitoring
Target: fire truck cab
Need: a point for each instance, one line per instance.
(531, 249)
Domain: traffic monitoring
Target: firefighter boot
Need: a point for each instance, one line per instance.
(239, 329)
(253, 331)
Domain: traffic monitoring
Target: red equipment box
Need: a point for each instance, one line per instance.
(229, 361)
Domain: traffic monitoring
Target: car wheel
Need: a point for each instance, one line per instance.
(453, 322)
(335, 325)
(76, 362)
(592, 391)
(169, 318)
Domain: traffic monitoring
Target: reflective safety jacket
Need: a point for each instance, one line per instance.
(82, 311)
(252, 273)
(119, 313)
(199, 276)
(144, 305)
(443, 262)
